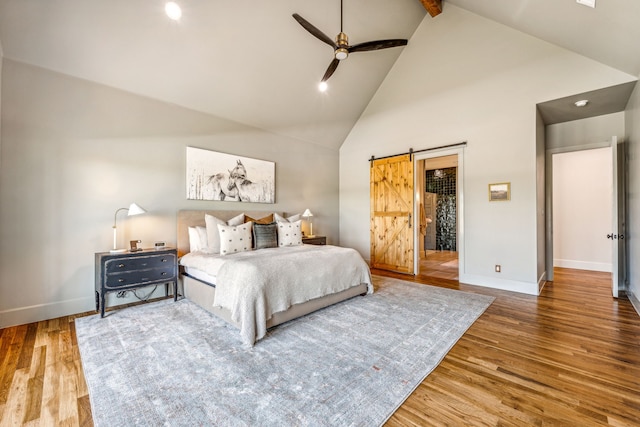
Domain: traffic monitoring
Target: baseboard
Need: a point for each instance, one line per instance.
(583, 265)
(635, 302)
(36, 313)
(39, 312)
(531, 288)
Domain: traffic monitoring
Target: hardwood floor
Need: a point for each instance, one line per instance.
(568, 357)
(439, 264)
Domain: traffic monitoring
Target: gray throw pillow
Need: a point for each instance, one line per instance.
(265, 235)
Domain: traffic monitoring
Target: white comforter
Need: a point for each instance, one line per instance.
(254, 285)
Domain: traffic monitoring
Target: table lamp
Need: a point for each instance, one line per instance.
(133, 209)
(307, 214)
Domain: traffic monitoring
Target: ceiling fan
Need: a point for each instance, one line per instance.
(341, 47)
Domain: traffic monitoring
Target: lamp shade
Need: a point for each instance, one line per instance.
(134, 209)
(307, 213)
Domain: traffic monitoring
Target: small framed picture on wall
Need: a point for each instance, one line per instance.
(500, 192)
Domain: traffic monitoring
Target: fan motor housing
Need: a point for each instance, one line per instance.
(342, 41)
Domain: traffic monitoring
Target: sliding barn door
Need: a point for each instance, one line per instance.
(391, 214)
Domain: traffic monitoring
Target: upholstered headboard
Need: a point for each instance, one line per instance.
(192, 218)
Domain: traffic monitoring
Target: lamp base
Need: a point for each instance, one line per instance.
(310, 235)
(117, 251)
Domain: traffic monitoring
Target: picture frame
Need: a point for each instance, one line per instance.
(500, 192)
(213, 175)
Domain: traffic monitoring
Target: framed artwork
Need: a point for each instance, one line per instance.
(500, 192)
(219, 176)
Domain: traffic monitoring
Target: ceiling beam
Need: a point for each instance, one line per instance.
(434, 7)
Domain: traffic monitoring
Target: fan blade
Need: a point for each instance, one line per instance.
(313, 30)
(331, 69)
(377, 45)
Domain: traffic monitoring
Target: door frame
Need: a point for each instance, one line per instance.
(549, 204)
(460, 214)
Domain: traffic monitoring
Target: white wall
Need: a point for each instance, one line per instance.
(74, 151)
(465, 78)
(585, 133)
(582, 216)
(632, 127)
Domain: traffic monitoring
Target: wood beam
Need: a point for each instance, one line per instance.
(434, 7)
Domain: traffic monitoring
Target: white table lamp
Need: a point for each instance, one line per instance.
(133, 210)
(307, 214)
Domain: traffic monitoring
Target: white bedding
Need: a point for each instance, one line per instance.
(203, 265)
(254, 285)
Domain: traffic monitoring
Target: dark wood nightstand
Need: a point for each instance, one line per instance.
(124, 271)
(315, 240)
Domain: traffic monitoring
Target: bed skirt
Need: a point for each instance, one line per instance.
(203, 293)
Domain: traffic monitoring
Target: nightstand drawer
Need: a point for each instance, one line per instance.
(140, 277)
(141, 262)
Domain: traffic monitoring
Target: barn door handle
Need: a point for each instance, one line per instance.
(409, 220)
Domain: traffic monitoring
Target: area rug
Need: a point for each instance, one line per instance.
(351, 364)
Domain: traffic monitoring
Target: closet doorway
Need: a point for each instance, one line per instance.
(437, 225)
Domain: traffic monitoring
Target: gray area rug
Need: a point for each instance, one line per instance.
(351, 364)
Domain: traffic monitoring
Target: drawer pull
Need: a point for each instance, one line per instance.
(164, 260)
(120, 280)
(120, 265)
(164, 273)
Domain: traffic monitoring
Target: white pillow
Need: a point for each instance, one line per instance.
(280, 218)
(213, 234)
(235, 238)
(289, 233)
(198, 240)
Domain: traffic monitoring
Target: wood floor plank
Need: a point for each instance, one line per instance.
(84, 411)
(35, 385)
(50, 396)
(27, 347)
(15, 406)
(10, 354)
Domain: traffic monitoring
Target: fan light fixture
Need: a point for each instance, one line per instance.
(172, 10)
(581, 103)
(341, 54)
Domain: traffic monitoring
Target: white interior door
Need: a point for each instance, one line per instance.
(618, 218)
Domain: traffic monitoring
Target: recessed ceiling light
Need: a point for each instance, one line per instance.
(172, 10)
(322, 87)
(581, 103)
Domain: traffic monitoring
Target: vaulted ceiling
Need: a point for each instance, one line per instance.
(251, 62)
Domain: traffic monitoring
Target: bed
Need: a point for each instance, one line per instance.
(258, 289)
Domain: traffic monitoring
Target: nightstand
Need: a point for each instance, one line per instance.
(124, 271)
(315, 240)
